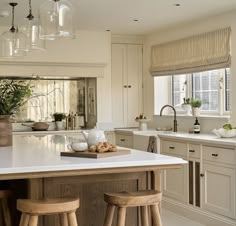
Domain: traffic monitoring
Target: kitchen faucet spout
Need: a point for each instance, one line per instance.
(175, 120)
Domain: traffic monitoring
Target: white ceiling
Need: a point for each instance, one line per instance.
(118, 15)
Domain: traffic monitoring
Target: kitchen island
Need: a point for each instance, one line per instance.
(35, 162)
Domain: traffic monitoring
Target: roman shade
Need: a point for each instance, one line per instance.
(201, 52)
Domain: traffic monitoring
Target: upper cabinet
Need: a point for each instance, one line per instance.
(127, 64)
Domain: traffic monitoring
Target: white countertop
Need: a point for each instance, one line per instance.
(46, 132)
(30, 154)
(204, 138)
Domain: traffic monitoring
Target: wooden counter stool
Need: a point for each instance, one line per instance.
(4, 197)
(142, 199)
(32, 209)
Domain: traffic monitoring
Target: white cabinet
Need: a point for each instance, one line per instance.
(218, 180)
(194, 171)
(174, 183)
(124, 140)
(126, 84)
(207, 183)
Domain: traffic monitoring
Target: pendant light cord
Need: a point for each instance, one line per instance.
(13, 29)
(30, 16)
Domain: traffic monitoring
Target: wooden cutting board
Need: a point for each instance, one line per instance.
(96, 155)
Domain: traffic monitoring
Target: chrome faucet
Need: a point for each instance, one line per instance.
(175, 121)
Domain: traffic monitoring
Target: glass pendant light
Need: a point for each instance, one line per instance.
(31, 29)
(13, 42)
(56, 19)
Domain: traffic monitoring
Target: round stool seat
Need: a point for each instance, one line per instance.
(129, 199)
(48, 206)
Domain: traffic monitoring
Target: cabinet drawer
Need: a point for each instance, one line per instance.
(124, 140)
(219, 155)
(194, 151)
(175, 148)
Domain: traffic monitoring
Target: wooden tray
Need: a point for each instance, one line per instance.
(96, 155)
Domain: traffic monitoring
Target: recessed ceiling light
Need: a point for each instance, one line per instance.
(135, 20)
(177, 4)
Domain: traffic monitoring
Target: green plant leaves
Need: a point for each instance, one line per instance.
(13, 94)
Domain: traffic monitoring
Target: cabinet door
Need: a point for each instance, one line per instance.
(219, 189)
(134, 79)
(126, 84)
(175, 183)
(124, 140)
(119, 81)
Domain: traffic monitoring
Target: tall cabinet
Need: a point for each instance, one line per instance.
(127, 60)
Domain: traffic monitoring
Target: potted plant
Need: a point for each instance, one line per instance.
(58, 116)
(196, 104)
(13, 95)
(186, 106)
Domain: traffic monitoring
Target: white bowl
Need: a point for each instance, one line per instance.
(77, 146)
(224, 133)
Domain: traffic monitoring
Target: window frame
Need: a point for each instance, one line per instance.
(221, 92)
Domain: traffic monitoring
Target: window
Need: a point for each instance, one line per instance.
(212, 87)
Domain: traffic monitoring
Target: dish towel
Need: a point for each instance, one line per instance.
(152, 144)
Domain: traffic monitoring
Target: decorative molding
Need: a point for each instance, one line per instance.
(60, 64)
(60, 69)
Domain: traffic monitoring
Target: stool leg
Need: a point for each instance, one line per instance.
(33, 220)
(72, 219)
(24, 220)
(144, 216)
(6, 212)
(121, 216)
(156, 215)
(109, 215)
(64, 219)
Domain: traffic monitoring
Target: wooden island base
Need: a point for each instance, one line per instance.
(90, 189)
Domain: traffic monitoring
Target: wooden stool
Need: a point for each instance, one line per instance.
(32, 209)
(123, 200)
(4, 196)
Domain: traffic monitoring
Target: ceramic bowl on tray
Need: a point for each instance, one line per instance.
(77, 146)
(224, 133)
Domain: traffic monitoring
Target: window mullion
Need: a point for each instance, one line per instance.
(221, 93)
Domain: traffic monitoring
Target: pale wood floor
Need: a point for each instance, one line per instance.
(172, 219)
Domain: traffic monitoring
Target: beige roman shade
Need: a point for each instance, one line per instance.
(193, 54)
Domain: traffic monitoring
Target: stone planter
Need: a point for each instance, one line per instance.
(195, 112)
(5, 131)
(59, 125)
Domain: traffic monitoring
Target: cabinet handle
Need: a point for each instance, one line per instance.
(191, 150)
(129, 86)
(202, 175)
(125, 86)
(122, 139)
(215, 155)
(172, 148)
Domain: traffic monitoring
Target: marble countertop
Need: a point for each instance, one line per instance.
(184, 136)
(41, 153)
(47, 132)
(204, 138)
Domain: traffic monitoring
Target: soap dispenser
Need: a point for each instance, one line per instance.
(196, 126)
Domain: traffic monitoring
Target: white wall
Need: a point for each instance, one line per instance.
(87, 55)
(181, 31)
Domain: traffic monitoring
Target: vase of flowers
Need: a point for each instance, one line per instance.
(58, 120)
(13, 94)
